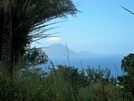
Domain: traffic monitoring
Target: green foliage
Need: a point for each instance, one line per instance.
(34, 85)
(95, 75)
(128, 64)
(127, 80)
(34, 56)
(77, 78)
(60, 84)
(103, 92)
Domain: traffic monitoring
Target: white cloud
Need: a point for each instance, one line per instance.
(53, 39)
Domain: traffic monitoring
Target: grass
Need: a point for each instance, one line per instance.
(61, 84)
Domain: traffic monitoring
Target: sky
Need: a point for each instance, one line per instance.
(101, 27)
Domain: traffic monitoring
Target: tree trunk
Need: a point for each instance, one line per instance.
(7, 61)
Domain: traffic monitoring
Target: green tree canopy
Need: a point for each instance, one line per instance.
(127, 80)
(34, 56)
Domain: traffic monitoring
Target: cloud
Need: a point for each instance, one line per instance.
(53, 39)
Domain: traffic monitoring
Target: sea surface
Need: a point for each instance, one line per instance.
(113, 63)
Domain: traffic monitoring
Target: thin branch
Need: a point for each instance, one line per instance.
(39, 27)
(44, 37)
(36, 48)
(41, 32)
(127, 10)
(68, 57)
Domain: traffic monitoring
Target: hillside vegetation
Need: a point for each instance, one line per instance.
(63, 83)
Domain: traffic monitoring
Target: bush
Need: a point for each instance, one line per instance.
(61, 84)
(127, 80)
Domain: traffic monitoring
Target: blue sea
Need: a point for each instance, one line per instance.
(113, 63)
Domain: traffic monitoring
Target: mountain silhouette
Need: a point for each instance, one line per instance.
(60, 51)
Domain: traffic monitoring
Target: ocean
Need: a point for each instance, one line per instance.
(113, 63)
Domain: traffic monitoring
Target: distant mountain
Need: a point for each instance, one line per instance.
(59, 51)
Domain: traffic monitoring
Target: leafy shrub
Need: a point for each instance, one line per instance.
(61, 84)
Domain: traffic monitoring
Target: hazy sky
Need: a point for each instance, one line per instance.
(102, 26)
